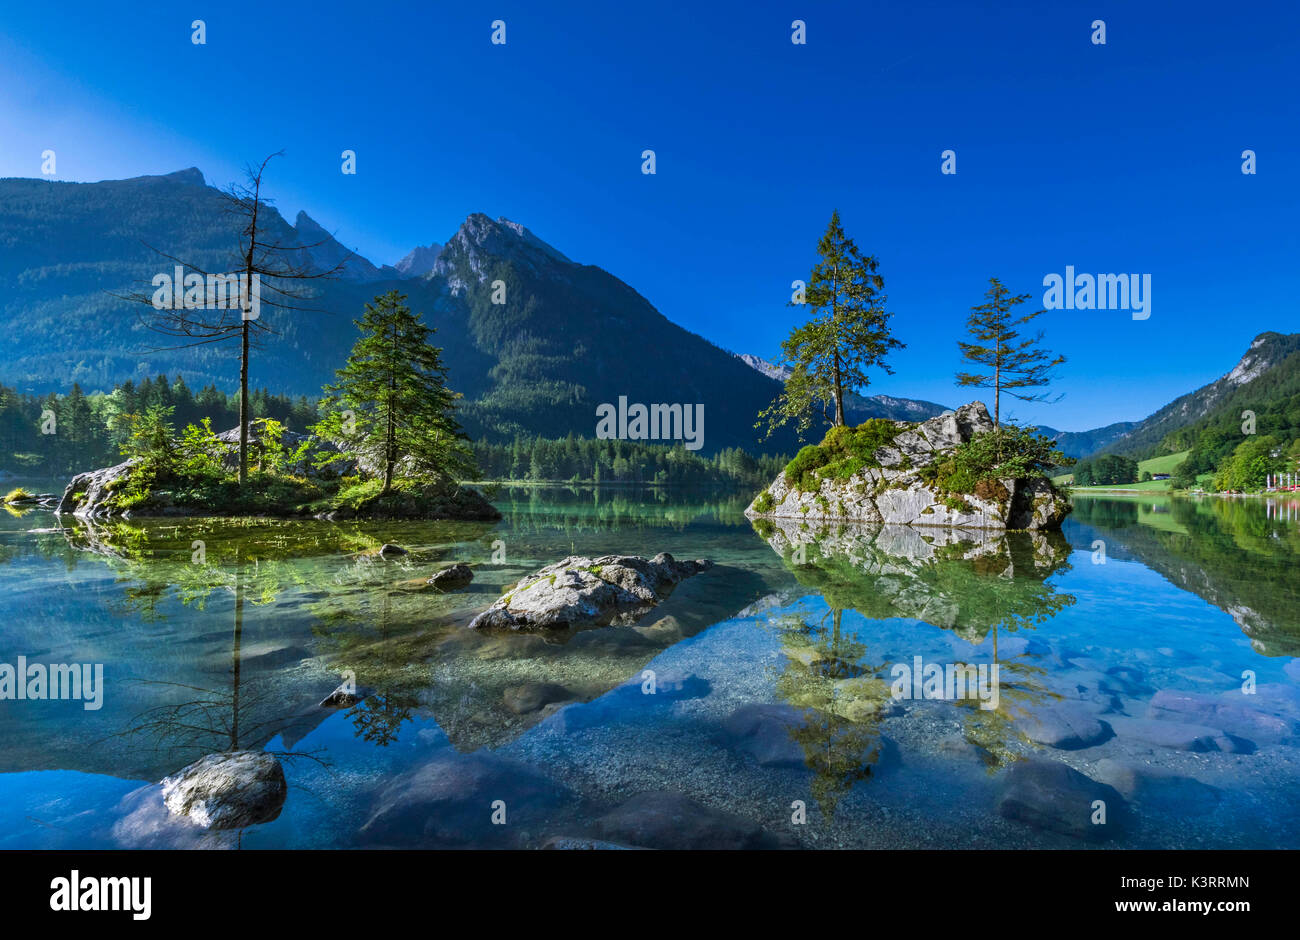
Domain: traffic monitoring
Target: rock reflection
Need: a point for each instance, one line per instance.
(976, 584)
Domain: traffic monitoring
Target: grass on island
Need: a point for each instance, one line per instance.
(16, 494)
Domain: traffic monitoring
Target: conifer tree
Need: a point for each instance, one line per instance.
(1010, 363)
(829, 355)
(391, 402)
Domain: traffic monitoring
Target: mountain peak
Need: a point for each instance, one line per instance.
(1257, 359)
(501, 236)
(305, 223)
(419, 261)
(480, 239)
(192, 176)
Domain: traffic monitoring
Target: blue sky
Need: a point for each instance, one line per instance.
(1117, 158)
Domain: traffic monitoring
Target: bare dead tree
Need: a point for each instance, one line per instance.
(281, 270)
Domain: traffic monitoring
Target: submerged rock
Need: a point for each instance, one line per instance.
(1180, 735)
(227, 791)
(449, 802)
(1157, 789)
(579, 844)
(1246, 716)
(388, 550)
(890, 490)
(668, 820)
(764, 731)
(1067, 727)
(1050, 795)
(534, 696)
(453, 577)
(581, 591)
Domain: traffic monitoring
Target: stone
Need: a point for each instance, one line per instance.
(577, 843)
(227, 791)
(764, 732)
(1067, 727)
(1159, 790)
(452, 578)
(669, 820)
(1052, 796)
(534, 696)
(1178, 735)
(388, 550)
(1237, 714)
(447, 802)
(86, 495)
(580, 591)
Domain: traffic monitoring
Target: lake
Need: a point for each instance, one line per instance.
(1133, 681)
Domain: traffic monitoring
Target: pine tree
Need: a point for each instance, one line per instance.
(391, 399)
(848, 333)
(1015, 363)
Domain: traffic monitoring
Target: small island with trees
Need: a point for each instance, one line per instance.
(387, 446)
(961, 469)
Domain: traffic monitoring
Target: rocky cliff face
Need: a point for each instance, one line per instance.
(893, 491)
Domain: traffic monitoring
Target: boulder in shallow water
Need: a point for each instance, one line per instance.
(447, 802)
(1067, 727)
(227, 791)
(766, 733)
(1179, 735)
(1159, 790)
(453, 577)
(668, 820)
(1053, 796)
(87, 494)
(580, 591)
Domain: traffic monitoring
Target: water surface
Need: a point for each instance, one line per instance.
(1171, 626)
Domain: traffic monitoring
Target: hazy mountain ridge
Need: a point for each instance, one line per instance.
(858, 408)
(419, 260)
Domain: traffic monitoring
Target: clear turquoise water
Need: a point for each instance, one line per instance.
(236, 648)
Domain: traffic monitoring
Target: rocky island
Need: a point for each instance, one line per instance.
(954, 471)
(286, 482)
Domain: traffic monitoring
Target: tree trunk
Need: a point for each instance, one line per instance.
(839, 393)
(835, 322)
(245, 310)
(243, 406)
(390, 431)
(997, 399)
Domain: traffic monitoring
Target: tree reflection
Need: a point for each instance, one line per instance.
(976, 584)
(843, 700)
